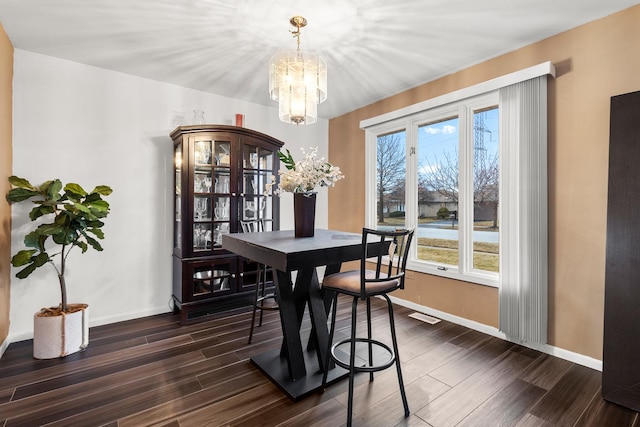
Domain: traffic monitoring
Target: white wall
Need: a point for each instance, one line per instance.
(94, 126)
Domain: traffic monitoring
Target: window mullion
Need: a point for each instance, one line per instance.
(370, 179)
(411, 177)
(411, 184)
(465, 191)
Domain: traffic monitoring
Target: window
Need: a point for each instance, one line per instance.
(390, 179)
(476, 190)
(438, 190)
(486, 190)
(447, 187)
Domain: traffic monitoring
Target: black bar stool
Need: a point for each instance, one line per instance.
(256, 226)
(388, 251)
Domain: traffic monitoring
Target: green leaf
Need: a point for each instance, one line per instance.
(42, 188)
(98, 233)
(35, 240)
(287, 159)
(92, 198)
(82, 246)
(23, 257)
(24, 273)
(53, 190)
(21, 183)
(52, 203)
(39, 211)
(78, 223)
(41, 259)
(103, 190)
(64, 218)
(75, 189)
(19, 194)
(94, 243)
(99, 205)
(80, 207)
(50, 229)
(67, 237)
(34, 262)
(95, 224)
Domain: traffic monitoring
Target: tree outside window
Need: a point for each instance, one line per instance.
(390, 178)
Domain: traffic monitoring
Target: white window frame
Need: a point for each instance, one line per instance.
(464, 110)
(409, 118)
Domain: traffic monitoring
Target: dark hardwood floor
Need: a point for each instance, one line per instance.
(154, 371)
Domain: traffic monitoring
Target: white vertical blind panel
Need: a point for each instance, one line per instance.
(524, 266)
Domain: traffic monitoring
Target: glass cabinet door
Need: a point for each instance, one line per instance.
(211, 193)
(257, 168)
(177, 226)
(212, 278)
(222, 191)
(202, 200)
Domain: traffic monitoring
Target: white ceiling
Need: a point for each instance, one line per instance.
(373, 48)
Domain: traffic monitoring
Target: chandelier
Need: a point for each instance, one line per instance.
(298, 81)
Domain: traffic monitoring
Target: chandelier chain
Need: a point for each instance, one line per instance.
(298, 22)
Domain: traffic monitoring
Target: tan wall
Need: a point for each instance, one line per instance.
(6, 77)
(593, 62)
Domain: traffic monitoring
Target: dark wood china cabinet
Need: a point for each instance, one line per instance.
(220, 177)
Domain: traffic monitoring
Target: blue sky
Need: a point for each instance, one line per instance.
(438, 139)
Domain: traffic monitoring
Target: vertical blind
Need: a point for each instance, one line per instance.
(523, 295)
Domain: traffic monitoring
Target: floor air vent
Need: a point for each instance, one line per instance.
(424, 318)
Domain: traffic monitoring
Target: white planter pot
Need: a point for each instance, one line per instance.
(58, 336)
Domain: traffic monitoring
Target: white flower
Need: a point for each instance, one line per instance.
(305, 175)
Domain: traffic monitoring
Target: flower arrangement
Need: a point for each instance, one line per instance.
(307, 174)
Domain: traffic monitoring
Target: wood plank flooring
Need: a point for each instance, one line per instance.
(154, 371)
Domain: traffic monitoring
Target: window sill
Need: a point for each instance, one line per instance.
(487, 279)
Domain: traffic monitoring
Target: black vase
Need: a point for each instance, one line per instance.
(304, 211)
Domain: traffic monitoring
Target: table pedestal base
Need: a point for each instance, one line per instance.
(275, 367)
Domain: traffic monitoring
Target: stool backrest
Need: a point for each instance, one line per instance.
(388, 250)
(252, 226)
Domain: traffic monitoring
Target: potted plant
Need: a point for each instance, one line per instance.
(74, 221)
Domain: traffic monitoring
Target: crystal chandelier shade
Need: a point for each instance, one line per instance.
(298, 81)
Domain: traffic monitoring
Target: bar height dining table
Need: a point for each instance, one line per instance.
(297, 371)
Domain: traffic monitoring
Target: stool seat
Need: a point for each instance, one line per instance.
(348, 282)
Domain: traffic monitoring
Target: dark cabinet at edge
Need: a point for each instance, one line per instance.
(621, 350)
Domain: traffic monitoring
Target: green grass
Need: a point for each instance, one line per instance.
(401, 221)
(441, 256)
(485, 255)
(443, 251)
(490, 248)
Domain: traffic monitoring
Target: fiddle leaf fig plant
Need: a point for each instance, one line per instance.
(74, 221)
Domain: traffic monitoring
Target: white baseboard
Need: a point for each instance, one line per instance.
(571, 356)
(120, 317)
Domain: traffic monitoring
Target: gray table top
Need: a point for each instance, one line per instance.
(283, 251)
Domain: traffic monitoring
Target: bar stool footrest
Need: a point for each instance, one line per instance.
(267, 304)
(376, 346)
